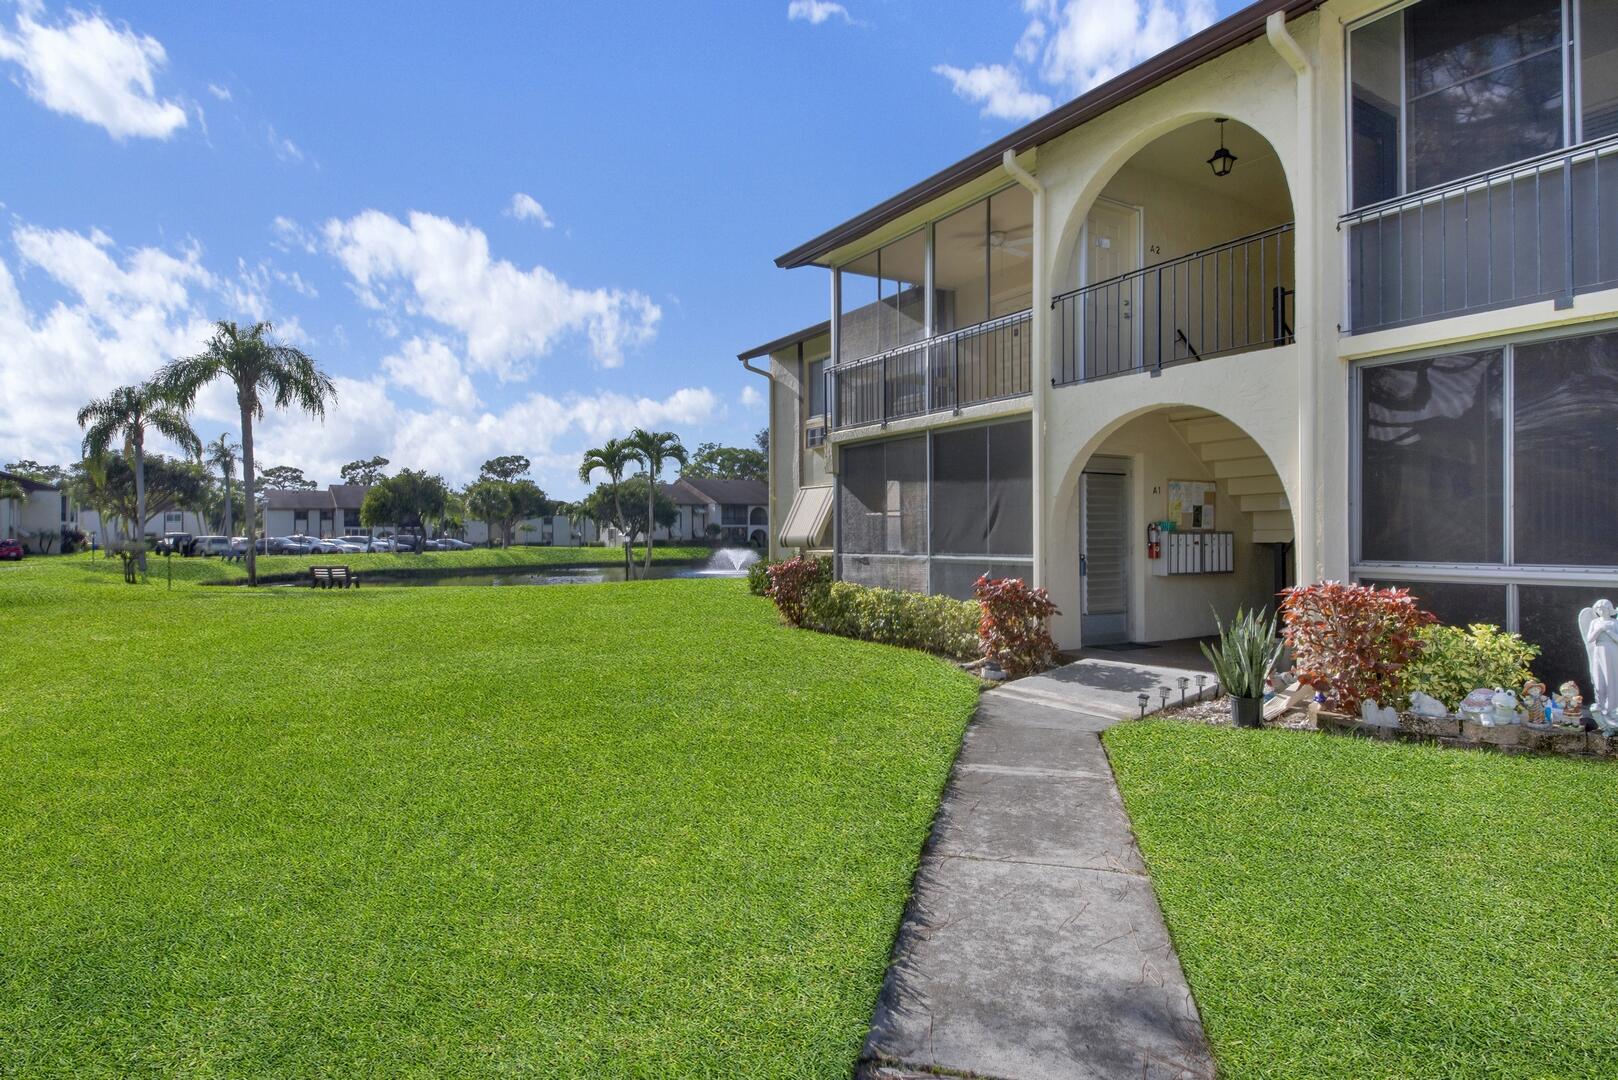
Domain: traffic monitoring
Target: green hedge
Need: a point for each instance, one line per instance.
(939, 624)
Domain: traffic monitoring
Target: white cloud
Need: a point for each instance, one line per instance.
(89, 68)
(815, 12)
(284, 148)
(1075, 45)
(121, 313)
(1090, 41)
(751, 398)
(525, 207)
(998, 89)
(431, 267)
(220, 92)
(290, 236)
(428, 367)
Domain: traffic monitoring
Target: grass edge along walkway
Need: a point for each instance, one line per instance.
(1351, 908)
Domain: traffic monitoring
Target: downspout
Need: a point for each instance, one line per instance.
(1308, 291)
(769, 404)
(1038, 374)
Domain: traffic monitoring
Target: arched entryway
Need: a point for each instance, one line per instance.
(1166, 519)
(1174, 259)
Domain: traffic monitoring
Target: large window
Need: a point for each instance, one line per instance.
(884, 298)
(1486, 484)
(815, 390)
(931, 513)
(1443, 89)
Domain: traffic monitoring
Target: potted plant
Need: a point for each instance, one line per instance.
(1242, 660)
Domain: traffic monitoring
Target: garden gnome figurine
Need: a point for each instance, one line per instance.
(1598, 625)
(1533, 701)
(1571, 702)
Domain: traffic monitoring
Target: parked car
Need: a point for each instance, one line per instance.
(211, 545)
(11, 549)
(178, 543)
(287, 545)
(346, 546)
(449, 543)
(323, 545)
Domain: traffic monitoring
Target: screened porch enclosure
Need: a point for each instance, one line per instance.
(938, 319)
(931, 513)
(1484, 157)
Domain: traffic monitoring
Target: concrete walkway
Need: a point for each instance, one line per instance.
(1033, 946)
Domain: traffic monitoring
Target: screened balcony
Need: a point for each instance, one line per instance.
(1484, 158)
(939, 319)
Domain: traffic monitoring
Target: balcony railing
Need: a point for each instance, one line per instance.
(986, 362)
(1225, 299)
(1542, 229)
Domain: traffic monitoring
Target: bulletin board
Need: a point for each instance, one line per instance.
(1191, 503)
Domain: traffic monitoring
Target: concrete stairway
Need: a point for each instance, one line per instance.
(1242, 468)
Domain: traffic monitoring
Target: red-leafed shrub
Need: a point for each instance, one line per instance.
(1014, 626)
(793, 582)
(1352, 642)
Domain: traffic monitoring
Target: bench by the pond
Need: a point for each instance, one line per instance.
(332, 577)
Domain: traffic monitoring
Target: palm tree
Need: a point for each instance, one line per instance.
(222, 455)
(654, 448)
(612, 458)
(124, 416)
(260, 369)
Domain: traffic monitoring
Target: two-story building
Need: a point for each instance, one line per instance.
(1327, 291)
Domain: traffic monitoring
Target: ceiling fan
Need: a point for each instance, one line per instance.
(1017, 242)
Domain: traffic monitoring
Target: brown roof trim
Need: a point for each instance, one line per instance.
(1229, 33)
(779, 343)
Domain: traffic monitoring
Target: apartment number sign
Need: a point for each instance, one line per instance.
(1191, 503)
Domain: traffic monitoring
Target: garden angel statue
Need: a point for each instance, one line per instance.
(1598, 625)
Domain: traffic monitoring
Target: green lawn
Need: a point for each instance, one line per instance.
(615, 830)
(85, 569)
(1345, 908)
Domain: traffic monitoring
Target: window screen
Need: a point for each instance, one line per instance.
(1432, 476)
(1548, 616)
(1565, 452)
(815, 378)
(1456, 603)
(882, 505)
(1485, 84)
(982, 498)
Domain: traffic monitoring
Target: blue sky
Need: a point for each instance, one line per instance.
(504, 227)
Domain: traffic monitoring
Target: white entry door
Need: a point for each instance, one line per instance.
(1104, 555)
(1111, 321)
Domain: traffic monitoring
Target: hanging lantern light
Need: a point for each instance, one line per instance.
(1223, 160)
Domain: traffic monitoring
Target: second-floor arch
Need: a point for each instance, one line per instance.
(1179, 247)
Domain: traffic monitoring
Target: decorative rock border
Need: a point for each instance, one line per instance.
(1469, 735)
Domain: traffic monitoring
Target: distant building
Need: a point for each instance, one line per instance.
(47, 510)
(334, 511)
(740, 508)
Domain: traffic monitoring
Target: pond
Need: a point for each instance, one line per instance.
(725, 563)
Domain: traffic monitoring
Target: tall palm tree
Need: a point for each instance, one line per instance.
(612, 458)
(654, 449)
(222, 455)
(261, 370)
(124, 416)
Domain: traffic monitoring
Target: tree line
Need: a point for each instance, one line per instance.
(124, 483)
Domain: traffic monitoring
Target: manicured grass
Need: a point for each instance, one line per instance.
(85, 568)
(1345, 908)
(614, 830)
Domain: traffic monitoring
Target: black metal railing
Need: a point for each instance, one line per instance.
(980, 363)
(1225, 299)
(1541, 229)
